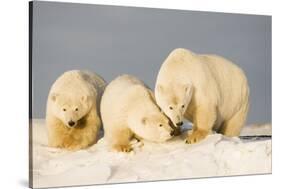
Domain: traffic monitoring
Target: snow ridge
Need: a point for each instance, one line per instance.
(217, 155)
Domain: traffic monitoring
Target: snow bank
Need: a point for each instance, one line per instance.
(256, 130)
(215, 156)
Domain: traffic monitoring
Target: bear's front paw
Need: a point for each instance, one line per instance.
(74, 147)
(123, 148)
(196, 136)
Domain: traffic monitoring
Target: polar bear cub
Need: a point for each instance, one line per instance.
(128, 109)
(208, 90)
(73, 115)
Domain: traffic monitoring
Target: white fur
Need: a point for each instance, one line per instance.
(74, 97)
(128, 108)
(208, 90)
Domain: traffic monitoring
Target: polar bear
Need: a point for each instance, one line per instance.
(72, 115)
(207, 90)
(128, 109)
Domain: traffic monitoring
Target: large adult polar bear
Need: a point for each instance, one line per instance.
(208, 90)
(73, 115)
(128, 109)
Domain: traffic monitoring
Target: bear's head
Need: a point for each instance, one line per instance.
(153, 127)
(174, 100)
(69, 108)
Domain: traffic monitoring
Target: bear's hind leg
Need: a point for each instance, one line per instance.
(233, 126)
(120, 141)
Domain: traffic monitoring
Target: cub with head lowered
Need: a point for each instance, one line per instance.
(73, 115)
(128, 109)
(208, 90)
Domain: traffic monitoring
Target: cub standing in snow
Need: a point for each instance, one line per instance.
(73, 117)
(128, 109)
(208, 90)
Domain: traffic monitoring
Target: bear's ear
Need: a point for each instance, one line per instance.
(160, 88)
(138, 89)
(54, 96)
(188, 88)
(84, 98)
(143, 120)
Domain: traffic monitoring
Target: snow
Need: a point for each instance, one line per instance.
(217, 155)
(254, 130)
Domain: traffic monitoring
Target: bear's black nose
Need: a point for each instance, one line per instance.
(71, 123)
(179, 123)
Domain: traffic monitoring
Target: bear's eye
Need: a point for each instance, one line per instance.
(182, 106)
(160, 125)
(171, 107)
(64, 109)
(76, 109)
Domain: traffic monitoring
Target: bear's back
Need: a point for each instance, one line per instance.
(118, 97)
(122, 83)
(203, 70)
(231, 83)
(230, 78)
(95, 80)
(76, 81)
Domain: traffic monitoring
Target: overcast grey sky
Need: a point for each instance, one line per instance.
(112, 40)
